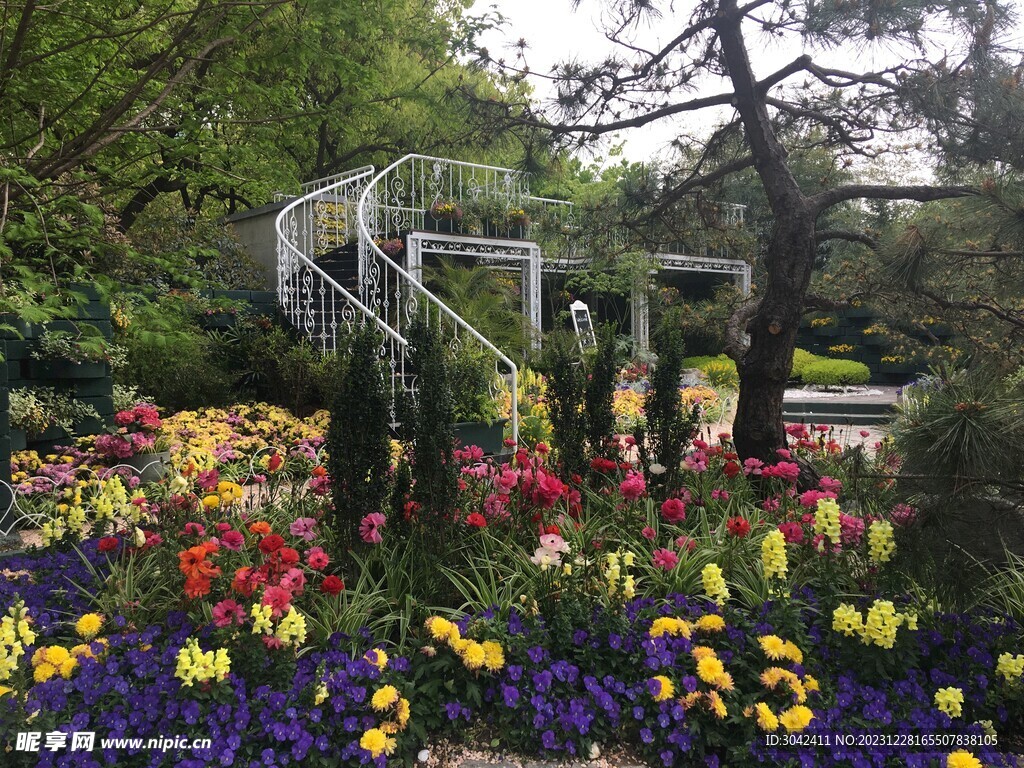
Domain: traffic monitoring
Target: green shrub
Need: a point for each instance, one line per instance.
(720, 371)
(565, 382)
(180, 372)
(669, 426)
(831, 373)
(599, 392)
(358, 440)
(473, 378)
(801, 359)
(722, 374)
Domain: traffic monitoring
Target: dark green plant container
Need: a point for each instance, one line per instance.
(65, 369)
(151, 466)
(445, 225)
(828, 330)
(487, 436)
(18, 439)
(218, 321)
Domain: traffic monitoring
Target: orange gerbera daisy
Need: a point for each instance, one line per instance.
(193, 563)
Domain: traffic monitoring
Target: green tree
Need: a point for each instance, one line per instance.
(847, 107)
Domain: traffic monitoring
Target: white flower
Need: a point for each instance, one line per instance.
(657, 469)
(140, 538)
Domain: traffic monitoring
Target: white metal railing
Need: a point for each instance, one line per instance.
(398, 199)
(314, 302)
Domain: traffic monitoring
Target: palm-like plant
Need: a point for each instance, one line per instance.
(486, 302)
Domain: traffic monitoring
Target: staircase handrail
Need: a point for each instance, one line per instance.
(366, 235)
(340, 180)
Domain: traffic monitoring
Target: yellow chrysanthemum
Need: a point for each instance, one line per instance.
(669, 625)
(963, 759)
(701, 652)
(374, 741)
(384, 697)
(665, 688)
(766, 719)
(710, 669)
(473, 655)
(44, 672)
(710, 622)
(440, 629)
(716, 705)
(793, 652)
(774, 647)
(494, 656)
(796, 718)
(89, 626)
(402, 712)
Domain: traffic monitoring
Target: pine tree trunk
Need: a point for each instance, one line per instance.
(758, 430)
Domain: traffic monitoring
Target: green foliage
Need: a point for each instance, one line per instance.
(801, 359)
(358, 442)
(435, 472)
(473, 384)
(599, 391)
(720, 371)
(86, 346)
(834, 373)
(485, 301)
(36, 409)
(565, 387)
(722, 375)
(180, 371)
(669, 426)
(961, 425)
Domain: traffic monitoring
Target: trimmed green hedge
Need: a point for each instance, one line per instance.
(835, 373)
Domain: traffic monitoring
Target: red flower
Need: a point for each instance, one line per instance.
(793, 532)
(271, 544)
(553, 529)
(108, 544)
(730, 469)
(476, 520)
(275, 462)
(332, 585)
(319, 471)
(738, 526)
(601, 464)
(673, 510)
(288, 555)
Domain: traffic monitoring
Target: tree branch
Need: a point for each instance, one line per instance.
(920, 193)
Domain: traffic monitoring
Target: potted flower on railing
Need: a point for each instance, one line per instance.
(65, 355)
(476, 410)
(445, 215)
(390, 248)
(518, 223)
(137, 442)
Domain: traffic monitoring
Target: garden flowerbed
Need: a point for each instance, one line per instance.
(730, 620)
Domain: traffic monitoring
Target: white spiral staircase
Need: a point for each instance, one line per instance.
(333, 274)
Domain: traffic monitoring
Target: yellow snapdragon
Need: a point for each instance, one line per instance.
(773, 555)
(880, 541)
(714, 583)
(826, 520)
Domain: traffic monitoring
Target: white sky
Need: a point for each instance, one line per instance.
(556, 33)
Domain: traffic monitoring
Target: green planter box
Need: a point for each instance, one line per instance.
(858, 312)
(18, 440)
(488, 436)
(218, 322)
(828, 330)
(65, 369)
(448, 226)
(103, 387)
